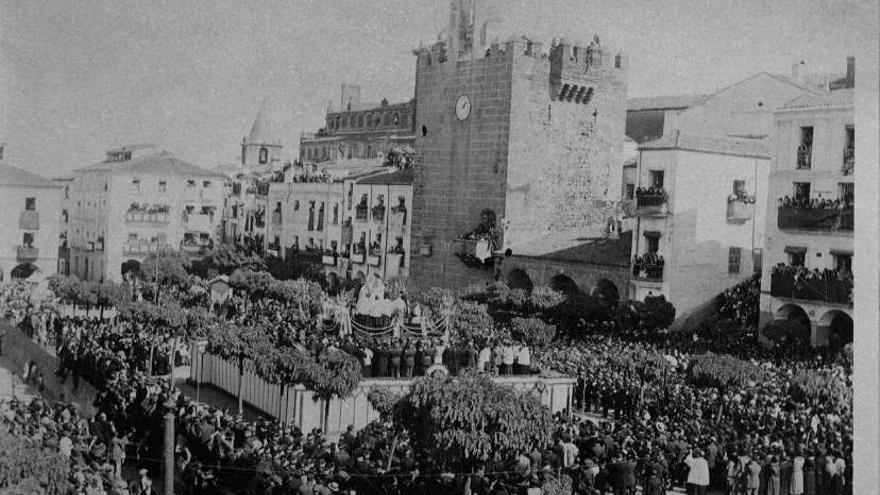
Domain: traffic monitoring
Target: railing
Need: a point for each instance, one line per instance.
(739, 211)
(357, 257)
(29, 220)
(360, 213)
(815, 219)
(135, 216)
(651, 204)
(826, 289)
(805, 158)
(27, 253)
(140, 247)
(648, 272)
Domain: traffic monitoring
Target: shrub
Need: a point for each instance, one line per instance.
(544, 298)
(533, 332)
(655, 313)
(471, 322)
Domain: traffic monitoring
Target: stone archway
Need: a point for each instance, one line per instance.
(23, 271)
(564, 284)
(839, 327)
(607, 291)
(519, 279)
(130, 267)
(793, 312)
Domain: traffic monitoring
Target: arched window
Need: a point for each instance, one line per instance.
(369, 151)
(369, 120)
(396, 118)
(360, 120)
(387, 119)
(264, 155)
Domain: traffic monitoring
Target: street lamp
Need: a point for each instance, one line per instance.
(201, 348)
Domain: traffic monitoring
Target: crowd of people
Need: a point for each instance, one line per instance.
(654, 432)
(806, 203)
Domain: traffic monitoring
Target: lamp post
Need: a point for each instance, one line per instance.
(168, 467)
(201, 348)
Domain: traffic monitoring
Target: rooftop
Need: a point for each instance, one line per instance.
(16, 177)
(828, 99)
(724, 145)
(161, 163)
(400, 177)
(665, 102)
(577, 248)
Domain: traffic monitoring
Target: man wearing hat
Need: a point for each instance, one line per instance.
(142, 486)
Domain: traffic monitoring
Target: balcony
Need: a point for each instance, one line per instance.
(360, 213)
(815, 219)
(198, 222)
(29, 220)
(329, 260)
(142, 247)
(651, 204)
(804, 158)
(849, 162)
(27, 253)
(147, 216)
(799, 283)
(394, 258)
(648, 267)
(374, 260)
(195, 247)
(357, 257)
(740, 209)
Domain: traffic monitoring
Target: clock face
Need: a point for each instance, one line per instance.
(463, 107)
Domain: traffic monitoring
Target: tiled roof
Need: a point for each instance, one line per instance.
(607, 251)
(724, 145)
(839, 98)
(16, 177)
(400, 177)
(666, 102)
(162, 163)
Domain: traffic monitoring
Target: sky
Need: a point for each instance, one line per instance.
(78, 78)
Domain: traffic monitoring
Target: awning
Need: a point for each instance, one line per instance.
(651, 233)
(795, 249)
(841, 252)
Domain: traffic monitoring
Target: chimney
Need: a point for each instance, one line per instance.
(851, 70)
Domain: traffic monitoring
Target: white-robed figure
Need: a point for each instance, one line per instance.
(342, 315)
(399, 306)
(370, 297)
(420, 320)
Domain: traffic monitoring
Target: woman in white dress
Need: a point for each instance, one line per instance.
(797, 475)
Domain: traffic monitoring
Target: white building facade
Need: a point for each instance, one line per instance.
(139, 201)
(807, 275)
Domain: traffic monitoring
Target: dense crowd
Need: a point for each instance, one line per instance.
(658, 431)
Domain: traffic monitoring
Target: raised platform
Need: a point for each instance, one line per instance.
(296, 405)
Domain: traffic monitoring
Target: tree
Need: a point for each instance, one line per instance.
(335, 374)
(533, 331)
(238, 343)
(723, 372)
(172, 269)
(226, 259)
(112, 295)
(255, 285)
(655, 313)
(460, 423)
(25, 466)
(383, 401)
(787, 332)
(470, 321)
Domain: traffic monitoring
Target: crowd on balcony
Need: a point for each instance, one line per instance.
(741, 197)
(308, 178)
(804, 155)
(806, 203)
(831, 285)
(649, 265)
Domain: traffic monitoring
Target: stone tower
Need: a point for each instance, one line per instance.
(262, 146)
(538, 147)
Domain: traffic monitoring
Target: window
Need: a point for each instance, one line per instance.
(27, 239)
(277, 241)
(206, 184)
(796, 255)
(802, 191)
(136, 185)
(630, 191)
(733, 260)
(190, 184)
(345, 121)
(163, 187)
(30, 204)
(335, 213)
(842, 260)
(846, 191)
(652, 242)
(296, 205)
(350, 193)
(360, 120)
(757, 259)
(657, 179)
(805, 149)
(311, 242)
(333, 246)
(739, 187)
(278, 206)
